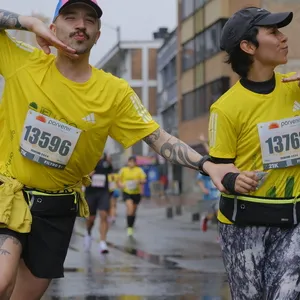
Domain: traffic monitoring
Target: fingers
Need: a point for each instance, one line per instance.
(292, 78)
(59, 45)
(53, 41)
(46, 49)
(246, 182)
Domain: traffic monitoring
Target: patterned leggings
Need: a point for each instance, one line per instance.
(262, 263)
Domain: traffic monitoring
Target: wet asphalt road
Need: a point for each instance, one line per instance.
(166, 259)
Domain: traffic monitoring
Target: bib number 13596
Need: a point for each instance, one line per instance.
(46, 141)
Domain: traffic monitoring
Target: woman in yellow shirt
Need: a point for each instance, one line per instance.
(130, 180)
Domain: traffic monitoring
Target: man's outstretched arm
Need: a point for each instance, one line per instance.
(178, 152)
(173, 149)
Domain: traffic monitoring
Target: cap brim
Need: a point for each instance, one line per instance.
(278, 19)
(87, 2)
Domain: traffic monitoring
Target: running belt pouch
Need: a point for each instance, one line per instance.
(261, 214)
(48, 205)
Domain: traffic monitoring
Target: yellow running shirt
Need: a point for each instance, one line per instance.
(130, 177)
(262, 133)
(54, 130)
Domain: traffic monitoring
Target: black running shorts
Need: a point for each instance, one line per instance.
(136, 198)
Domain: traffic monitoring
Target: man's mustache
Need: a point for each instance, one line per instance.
(78, 32)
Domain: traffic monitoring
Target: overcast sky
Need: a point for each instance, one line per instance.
(138, 18)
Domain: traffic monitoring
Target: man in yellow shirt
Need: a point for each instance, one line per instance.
(256, 125)
(57, 113)
(131, 179)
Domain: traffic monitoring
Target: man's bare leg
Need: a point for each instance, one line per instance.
(103, 230)
(28, 287)
(10, 252)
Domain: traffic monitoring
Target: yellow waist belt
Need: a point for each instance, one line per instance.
(14, 211)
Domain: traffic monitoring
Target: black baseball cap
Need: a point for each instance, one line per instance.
(64, 3)
(245, 19)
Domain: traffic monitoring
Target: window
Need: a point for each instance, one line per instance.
(215, 90)
(200, 107)
(198, 102)
(200, 47)
(187, 8)
(199, 3)
(168, 73)
(212, 40)
(188, 55)
(212, 37)
(172, 71)
(170, 118)
(188, 101)
(167, 51)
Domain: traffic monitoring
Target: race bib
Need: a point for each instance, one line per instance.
(280, 143)
(131, 185)
(98, 180)
(112, 185)
(47, 141)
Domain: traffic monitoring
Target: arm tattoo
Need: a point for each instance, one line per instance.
(173, 149)
(152, 138)
(3, 239)
(179, 153)
(10, 20)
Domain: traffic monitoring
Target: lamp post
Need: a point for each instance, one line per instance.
(116, 29)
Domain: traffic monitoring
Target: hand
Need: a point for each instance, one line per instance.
(217, 173)
(246, 182)
(45, 38)
(205, 191)
(292, 78)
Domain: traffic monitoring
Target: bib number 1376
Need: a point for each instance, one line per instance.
(286, 142)
(46, 141)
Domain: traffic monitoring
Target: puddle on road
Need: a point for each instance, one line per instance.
(161, 260)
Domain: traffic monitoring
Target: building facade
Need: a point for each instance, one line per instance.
(203, 75)
(167, 96)
(135, 61)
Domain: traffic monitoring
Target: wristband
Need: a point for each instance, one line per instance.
(204, 159)
(229, 182)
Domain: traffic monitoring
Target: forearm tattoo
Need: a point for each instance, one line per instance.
(153, 137)
(174, 150)
(3, 239)
(10, 20)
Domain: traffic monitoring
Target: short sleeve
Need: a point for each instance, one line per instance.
(143, 174)
(132, 122)
(222, 135)
(13, 54)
